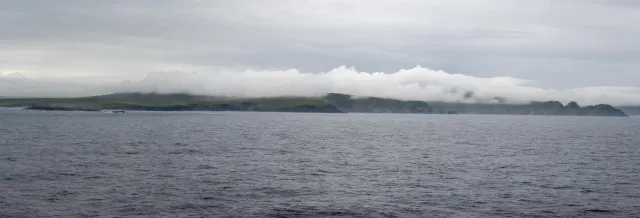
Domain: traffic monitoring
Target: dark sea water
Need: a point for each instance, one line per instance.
(217, 164)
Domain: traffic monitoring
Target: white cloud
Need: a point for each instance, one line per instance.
(564, 45)
(418, 83)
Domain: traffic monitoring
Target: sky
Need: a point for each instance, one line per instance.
(581, 50)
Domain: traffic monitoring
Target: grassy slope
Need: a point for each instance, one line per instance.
(176, 102)
(373, 104)
(534, 108)
(331, 103)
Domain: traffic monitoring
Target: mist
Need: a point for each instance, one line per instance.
(417, 83)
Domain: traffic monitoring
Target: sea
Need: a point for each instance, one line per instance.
(260, 164)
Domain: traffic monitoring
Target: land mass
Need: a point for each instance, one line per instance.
(330, 103)
(370, 104)
(173, 102)
(533, 108)
(53, 108)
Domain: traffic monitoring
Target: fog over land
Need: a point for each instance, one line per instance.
(418, 83)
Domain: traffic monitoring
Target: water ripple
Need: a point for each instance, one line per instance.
(194, 164)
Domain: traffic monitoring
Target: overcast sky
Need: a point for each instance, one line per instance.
(585, 49)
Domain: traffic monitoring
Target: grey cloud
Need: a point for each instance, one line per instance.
(561, 45)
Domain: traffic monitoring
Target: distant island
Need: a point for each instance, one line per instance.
(376, 105)
(329, 103)
(533, 108)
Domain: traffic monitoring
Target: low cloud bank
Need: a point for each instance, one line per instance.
(418, 83)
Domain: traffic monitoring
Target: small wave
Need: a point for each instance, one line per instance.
(559, 187)
(309, 211)
(135, 211)
(64, 193)
(93, 177)
(531, 201)
(598, 211)
(205, 167)
(66, 174)
(586, 191)
(183, 151)
(547, 212)
(192, 206)
(337, 213)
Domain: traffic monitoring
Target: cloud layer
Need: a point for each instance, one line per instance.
(560, 44)
(418, 83)
(556, 48)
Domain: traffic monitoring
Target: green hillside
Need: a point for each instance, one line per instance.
(177, 102)
(330, 103)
